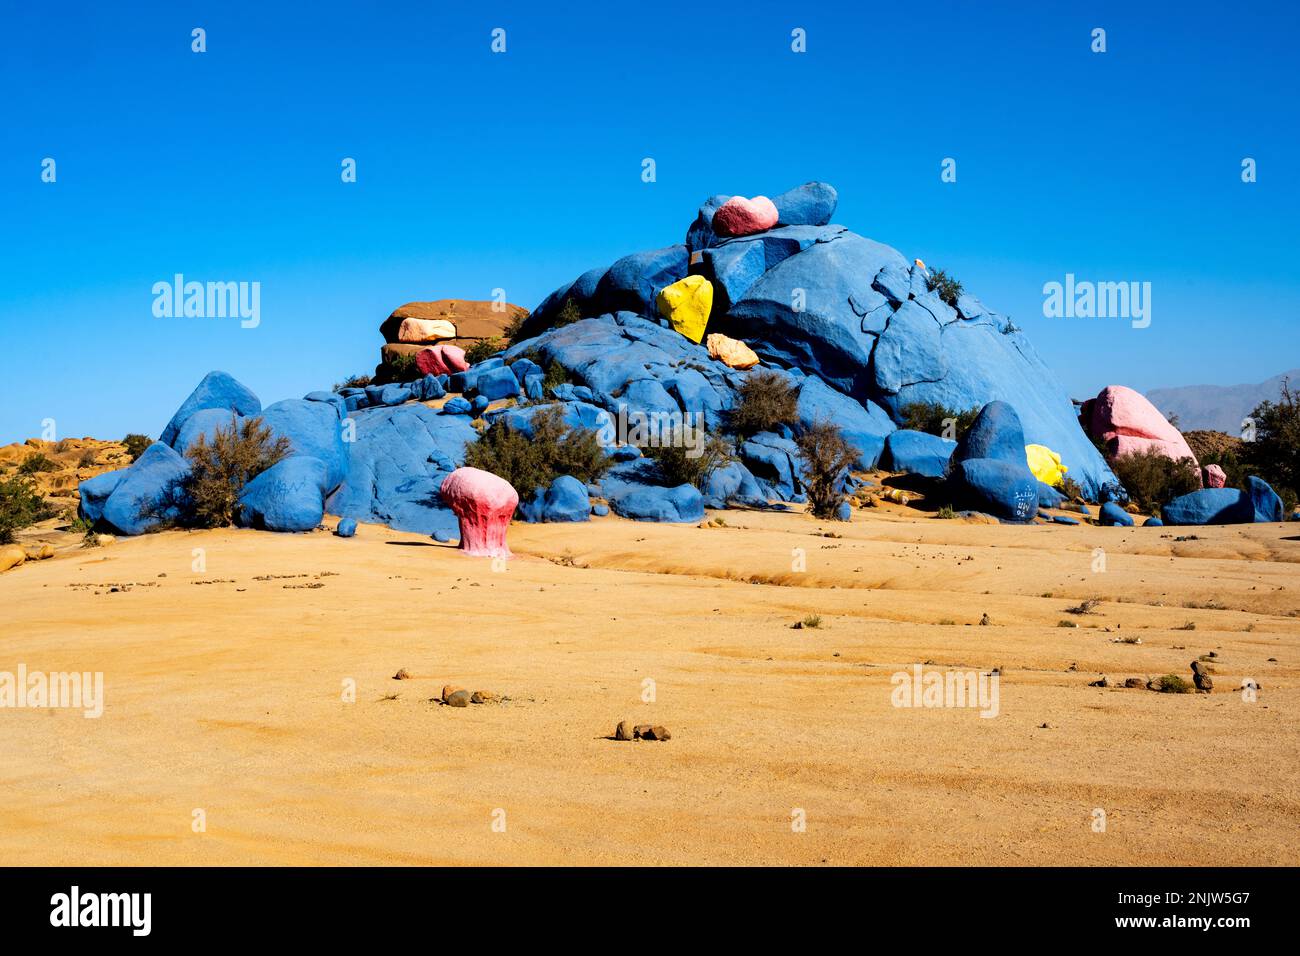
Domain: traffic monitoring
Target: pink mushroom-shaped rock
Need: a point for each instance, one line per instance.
(441, 360)
(739, 216)
(1215, 477)
(484, 503)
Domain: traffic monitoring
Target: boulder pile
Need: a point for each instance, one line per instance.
(672, 335)
(459, 323)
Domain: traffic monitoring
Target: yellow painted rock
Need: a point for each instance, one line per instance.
(425, 330)
(11, 555)
(686, 304)
(730, 351)
(1045, 464)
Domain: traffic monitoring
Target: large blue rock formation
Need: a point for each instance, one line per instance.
(857, 314)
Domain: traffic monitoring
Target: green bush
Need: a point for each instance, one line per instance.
(1171, 684)
(513, 327)
(136, 444)
(947, 288)
(1274, 455)
(678, 467)
(483, 349)
(402, 368)
(20, 507)
(219, 469)
(765, 401)
(827, 457)
(1153, 480)
(36, 462)
(556, 374)
(569, 314)
(354, 381)
(530, 463)
(931, 417)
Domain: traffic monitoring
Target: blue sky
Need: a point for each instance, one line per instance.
(520, 170)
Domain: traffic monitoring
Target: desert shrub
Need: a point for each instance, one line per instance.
(483, 349)
(765, 401)
(1274, 455)
(136, 444)
(1171, 684)
(1072, 490)
(20, 507)
(354, 381)
(1153, 480)
(219, 469)
(88, 458)
(529, 463)
(933, 417)
(678, 467)
(36, 462)
(567, 315)
(402, 368)
(827, 457)
(556, 374)
(947, 288)
(946, 512)
(513, 327)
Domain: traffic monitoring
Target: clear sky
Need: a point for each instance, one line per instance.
(520, 170)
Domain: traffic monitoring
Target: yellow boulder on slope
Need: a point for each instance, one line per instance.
(730, 352)
(686, 305)
(1045, 464)
(11, 555)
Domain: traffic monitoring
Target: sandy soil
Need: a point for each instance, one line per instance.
(224, 693)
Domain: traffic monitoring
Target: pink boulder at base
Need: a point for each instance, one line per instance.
(1215, 477)
(739, 216)
(1127, 422)
(441, 360)
(484, 504)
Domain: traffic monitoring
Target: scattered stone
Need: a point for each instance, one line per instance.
(403, 674)
(1135, 682)
(459, 699)
(1201, 677)
(651, 732)
(623, 731)
(984, 620)
(448, 690)
(11, 555)
(1102, 681)
(483, 697)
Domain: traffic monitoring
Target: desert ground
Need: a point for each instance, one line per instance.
(224, 693)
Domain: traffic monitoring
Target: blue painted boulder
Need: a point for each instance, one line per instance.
(397, 463)
(1210, 506)
(94, 494)
(1064, 519)
(497, 383)
(999, 488)
(917, 453)
(1153, 523)
(812, 204)
(336, 399)
(1049, 497)
(347, 528)
(204, 424)
(632, 493)
(1113, 515)
(456, 406)
(565, 500)
(844, 511)
(216, 390)
(865, 426)
(288, 496)
(1263, 499)
(732, 484)
(150, 493)
(313, 429)
(996, 433)
(600, 510)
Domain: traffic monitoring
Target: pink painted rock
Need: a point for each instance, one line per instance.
(739, 216)
(1215, 477)
(441, 359)
(1127, 422)
(484, 503)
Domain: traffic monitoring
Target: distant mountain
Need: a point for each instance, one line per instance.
(1218, 407)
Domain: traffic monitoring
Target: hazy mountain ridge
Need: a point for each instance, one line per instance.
(1218, 407)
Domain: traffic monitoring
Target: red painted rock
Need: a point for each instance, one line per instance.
(739, 216)
(1215, 477)
(1127, 422)
(484, 503)
(441, 359)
